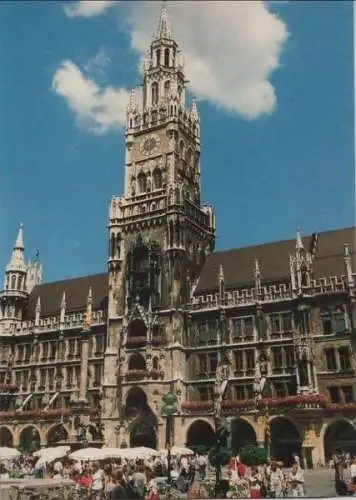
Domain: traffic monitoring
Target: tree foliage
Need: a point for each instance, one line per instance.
(252, 455)
(219, 456)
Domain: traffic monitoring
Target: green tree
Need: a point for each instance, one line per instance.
(219, 456)
(252, 455)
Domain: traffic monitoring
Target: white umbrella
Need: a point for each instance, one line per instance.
(115, 452)
(7, 453)
(141, 452)
(179, 450)
(88, 454)
(52, 449)
(49, 455)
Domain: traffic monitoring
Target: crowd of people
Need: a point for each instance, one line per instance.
(269, 480)
(146, 479)
(344, 465)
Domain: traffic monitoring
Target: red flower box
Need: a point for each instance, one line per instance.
(299, 400)
(136, 341)
(8, 387)
(156, 373)
(51, 414)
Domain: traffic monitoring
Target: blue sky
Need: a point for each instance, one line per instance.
(286, 166)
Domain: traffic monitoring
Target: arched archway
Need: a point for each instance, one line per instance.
(56, 434)
(143, 434)
(339, 435)
(200, 434)
(6, 437)
(30, 439)
(136, 398)
(242, 433)
(285, 440)
(137, 362)
(136, 333)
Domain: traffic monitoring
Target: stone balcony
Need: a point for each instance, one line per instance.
(132, 375)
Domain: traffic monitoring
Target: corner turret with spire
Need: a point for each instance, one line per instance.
(20, 278)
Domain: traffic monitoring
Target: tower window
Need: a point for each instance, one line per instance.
(142, 183)
(13, 282)
(157, 178)
(166, 58)
(158, 57)
(167, 86)
(154, 90)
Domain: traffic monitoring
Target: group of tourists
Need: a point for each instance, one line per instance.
(344, 465)
(269, 480)
(190, 476)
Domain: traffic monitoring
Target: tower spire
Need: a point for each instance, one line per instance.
(164, 26)
(298, 241)
(17, 261)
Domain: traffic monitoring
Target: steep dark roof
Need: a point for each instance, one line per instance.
(238, 267)
(238, 264)
(76, 290)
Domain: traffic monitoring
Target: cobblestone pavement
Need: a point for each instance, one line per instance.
(319, 483)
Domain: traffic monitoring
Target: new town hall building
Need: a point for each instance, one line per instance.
(99, 352)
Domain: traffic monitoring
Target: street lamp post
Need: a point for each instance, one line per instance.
(169, 408)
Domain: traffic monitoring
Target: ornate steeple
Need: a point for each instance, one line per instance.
(164, 26)
(16, 270)
(298, 241)
(15, 293)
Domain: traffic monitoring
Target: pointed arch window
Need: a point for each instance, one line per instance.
(189, 157)
(154, 91)
(112, 246)
(166, 58)
(167, 87)
(181, 148)
(157, 178)
(142, 183)
(13, 282)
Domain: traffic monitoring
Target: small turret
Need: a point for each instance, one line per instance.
(348, 267)
(63, 309)
(258, 288)
(298, 241)
(89, 311)
(221, 284)
(38, 312)
(14, 295)
(34, 272)
(16, 270)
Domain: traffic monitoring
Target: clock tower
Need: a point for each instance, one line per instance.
(159, 232)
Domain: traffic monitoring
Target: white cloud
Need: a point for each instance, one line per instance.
(88, 8)
(95, 108)
(231, 49)
(97, 65)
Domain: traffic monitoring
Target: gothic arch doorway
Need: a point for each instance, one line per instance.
(242, 434)
(339, 435)
(143, 434)
(136, 401)
(56, 434)
(285, 441)
(30, 439)
(200, 434)
(6, 438)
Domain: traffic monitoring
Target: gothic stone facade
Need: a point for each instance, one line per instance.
(108, 347)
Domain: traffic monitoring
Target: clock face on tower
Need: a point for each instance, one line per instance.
(150, 144)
